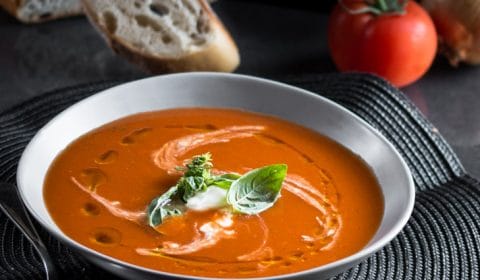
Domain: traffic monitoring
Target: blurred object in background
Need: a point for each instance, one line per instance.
(394, 39)
(165, 36)
(458, 27)
(32, 11)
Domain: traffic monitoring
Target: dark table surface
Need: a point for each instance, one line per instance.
(273, 41)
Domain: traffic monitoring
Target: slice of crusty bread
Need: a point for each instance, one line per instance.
(32, 11)
(165, 35)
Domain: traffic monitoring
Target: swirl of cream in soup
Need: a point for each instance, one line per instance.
(209, 233)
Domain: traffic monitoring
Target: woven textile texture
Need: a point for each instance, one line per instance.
(440, 241)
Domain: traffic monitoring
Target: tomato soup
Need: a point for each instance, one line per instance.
(97, 190)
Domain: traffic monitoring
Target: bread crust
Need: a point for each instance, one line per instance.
(14, 6)
(220, 55)
(10, 6)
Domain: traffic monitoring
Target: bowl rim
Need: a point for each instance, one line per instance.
(351, 259)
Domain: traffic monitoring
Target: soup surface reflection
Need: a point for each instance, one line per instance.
(98, 188)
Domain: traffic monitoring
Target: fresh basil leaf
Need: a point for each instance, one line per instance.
(164, 206)
(229, 176)
(196, 176)
(199, 166)
(257, 190)
(223, 181)
(180, 168)
(191, 185)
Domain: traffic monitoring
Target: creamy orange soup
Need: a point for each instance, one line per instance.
(98, 188)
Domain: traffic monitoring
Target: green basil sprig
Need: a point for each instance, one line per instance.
(251, 193)
(164, 206)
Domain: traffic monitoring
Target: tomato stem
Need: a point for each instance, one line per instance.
(378, 7)
(382, 5)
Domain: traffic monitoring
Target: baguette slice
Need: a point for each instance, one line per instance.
(32, 11)
(164, 36)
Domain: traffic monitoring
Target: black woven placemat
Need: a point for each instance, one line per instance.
(441, 240)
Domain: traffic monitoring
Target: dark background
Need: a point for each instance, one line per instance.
(274, 40)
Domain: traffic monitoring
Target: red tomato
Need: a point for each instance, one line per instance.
(399, 48)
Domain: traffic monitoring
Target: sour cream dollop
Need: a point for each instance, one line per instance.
(212, 198)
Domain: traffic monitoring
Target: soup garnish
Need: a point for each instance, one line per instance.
(198, 189)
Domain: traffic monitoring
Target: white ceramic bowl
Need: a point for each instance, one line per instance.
(220, 90)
